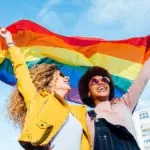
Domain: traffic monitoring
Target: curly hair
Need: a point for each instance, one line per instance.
(84, 84)
(42, 76)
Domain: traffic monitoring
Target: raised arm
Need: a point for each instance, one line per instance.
(24, 82)
(134, 92)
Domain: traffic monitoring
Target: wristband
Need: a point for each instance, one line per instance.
(10, 44)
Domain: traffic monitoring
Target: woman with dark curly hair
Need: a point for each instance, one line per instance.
(37, 105)
(110, 121)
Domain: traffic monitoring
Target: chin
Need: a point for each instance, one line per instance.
(68, 88)
(103, 97)
(103, 94)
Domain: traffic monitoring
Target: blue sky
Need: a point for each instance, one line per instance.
(107, 19)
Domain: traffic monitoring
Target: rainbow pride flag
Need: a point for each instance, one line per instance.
(74, 55)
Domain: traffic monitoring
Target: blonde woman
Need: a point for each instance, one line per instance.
(37, 105)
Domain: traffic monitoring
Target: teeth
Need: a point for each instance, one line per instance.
(101, 89)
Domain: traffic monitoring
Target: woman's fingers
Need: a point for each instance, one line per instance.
(3, 32)
(6, 35)
(115, 101)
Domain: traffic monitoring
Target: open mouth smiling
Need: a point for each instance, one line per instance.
(101, 89)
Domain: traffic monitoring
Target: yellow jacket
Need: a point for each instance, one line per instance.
(45, 113)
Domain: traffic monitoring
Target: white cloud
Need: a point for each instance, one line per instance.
(127, 17)
(78, 2)
(49, 18)
(47, 6)
(57, 21)
(108, 19)
(106, 11)
(52, 21)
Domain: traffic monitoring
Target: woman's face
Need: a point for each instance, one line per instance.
(62, 83)
(99, 88)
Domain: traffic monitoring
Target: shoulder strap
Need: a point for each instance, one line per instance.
(92, 114)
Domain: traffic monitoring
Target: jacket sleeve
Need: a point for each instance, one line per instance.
(24, 82)
(134, 92)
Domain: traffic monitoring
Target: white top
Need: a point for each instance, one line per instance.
(69, 136)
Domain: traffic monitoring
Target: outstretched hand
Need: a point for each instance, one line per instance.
(6, 35)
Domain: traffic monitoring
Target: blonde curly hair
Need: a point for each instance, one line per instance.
(42, 76)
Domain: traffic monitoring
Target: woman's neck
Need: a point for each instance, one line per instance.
(62, 93)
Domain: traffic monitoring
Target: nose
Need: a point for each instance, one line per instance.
(101, 82)
(67, 78)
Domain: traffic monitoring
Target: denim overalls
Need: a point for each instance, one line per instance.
(111, 137)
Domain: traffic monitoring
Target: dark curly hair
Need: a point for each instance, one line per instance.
(84, 84)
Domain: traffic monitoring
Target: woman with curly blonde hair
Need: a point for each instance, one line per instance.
(37, 105)
(42, 77)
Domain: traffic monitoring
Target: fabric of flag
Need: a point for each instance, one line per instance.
(74, 55)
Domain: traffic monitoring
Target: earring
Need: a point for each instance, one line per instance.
(89, 94)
